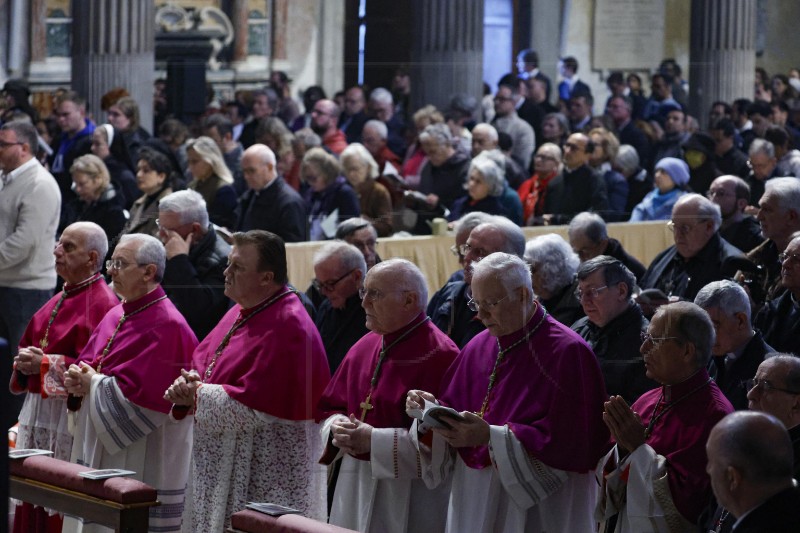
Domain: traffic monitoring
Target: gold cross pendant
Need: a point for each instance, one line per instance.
(366, 406)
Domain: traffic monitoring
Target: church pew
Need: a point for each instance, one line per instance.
(119, 503)
(248, 521)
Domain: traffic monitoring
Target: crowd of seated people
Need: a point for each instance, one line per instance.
(180, 237)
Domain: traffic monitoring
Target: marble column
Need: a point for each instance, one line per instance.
(113, 45)
(238, 16)
(723, 55)
(447, 54)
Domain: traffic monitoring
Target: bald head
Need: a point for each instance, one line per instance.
(778, 389)
(484, 137)
(258, 166)
(80, 251)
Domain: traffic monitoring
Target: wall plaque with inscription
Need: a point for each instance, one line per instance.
(628, 34)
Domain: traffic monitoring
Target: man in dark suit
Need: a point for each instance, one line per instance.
(528, 68)
(750, 464)
(738, 348)
(620, 109)
(571, 86)
(270, 204)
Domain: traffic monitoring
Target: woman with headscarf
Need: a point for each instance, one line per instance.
(672, 181)
(108, 145)
(213, 180)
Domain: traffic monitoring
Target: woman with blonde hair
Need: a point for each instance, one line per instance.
(97, 200)
(606, 148)
(212, 179)
(361, 169)
(328, 193)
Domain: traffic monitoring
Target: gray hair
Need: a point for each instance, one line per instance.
(379, 128)
(209, 152)
(348, 255)
(263, 152)
(408, 276)
(188, 204)
(25, 132)
(726, 295)
(562, 120)
(94, 238)
(381, 95)
(347, 227)
(514, 242)
(307, 138)
(438, 133)
(792, 362)
(591, 225)
(359, 151)
(690, 323)
(493, 174)
(614, 272)
(509, 269)
(787, 190)
(627, 159)
(706, 209)
(553, 150)
(551, 255)
(470, 221)
(150, 252)
(490, 130)
(761, 146)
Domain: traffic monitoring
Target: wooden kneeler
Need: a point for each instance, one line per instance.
(119, 503)
(249, 521)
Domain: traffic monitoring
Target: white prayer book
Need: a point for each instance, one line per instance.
(22, 453)
(272, 509)
(106, 473)
(435, 415)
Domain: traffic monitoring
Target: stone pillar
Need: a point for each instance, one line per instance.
(113, 45)
(238, 16)
(722, 56)
(447, 54)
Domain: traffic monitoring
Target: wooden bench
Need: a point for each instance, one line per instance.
(119, 503)
(248, 521)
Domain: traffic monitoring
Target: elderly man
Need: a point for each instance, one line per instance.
(507, 121)
(655, 475)
(254, 406)
(29, 215)
(779, 319)
(764, 166)
(362, 234)
(577, 187)
(732, 194)
(374, 137)
(448, 308)
(485, 138)
(116, 385)
(324, 120)
(613, 325)
(738, 348)
(750, 464)
(696, 258)
(779, 217)
(589, 238)
(353, 117)
(379, 487)
(553, 269)
(463, 227)
(196, 260)
(52, 341)
(381, 106)
(270, 204)
(530, 392)
(339, 270)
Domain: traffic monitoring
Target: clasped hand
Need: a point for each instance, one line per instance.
(78, 379)
(624, 424)
(351, 435)
(183, 389)
(474, 431)
(29, 360)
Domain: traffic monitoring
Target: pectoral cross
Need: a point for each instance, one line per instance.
(366, 406)
(43, 343)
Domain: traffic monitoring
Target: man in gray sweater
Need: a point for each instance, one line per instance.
(30, 204)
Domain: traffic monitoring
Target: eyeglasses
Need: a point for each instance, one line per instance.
(318, 112)
(479, 253)
(6, 144)
(657, 341)
(455, 251)
(329, 285)
(765, 386)
(372, 295)
(593, 292)
(681, 229)
(543, 157)
(716, 193)
(118, 264)
(573, 146)
(486, 306)
(502, 98)
(783, 257)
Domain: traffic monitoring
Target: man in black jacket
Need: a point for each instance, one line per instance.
(589, 238)
(270, 204)
(194, 276)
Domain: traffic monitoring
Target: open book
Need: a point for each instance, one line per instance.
(436, 416)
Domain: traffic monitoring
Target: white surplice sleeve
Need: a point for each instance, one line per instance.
(527, 480)
(394, 455)
(436, 461)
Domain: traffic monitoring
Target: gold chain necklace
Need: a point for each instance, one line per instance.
(501, 355)
(122, 320)
(365, 405)
(65, 293)
(236, 325)
(657, 415)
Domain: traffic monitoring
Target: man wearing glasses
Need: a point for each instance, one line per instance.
(29, 215)
(379, 487)
(696, 258)
(779, 319)
(655, 475)
(732, 194)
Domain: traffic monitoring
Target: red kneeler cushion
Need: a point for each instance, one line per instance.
(255, 522)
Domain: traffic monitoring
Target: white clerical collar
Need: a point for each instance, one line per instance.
(9, 177)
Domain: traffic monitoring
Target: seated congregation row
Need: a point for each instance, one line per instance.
(494, 343)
